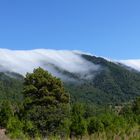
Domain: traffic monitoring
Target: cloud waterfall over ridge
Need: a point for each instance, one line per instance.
(25, 61)
(133, 63)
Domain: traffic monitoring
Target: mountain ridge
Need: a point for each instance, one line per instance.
(89, 79)
(23, 61)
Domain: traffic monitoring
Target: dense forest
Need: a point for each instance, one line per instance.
(45, 109)
(11, 85)
(113, 84)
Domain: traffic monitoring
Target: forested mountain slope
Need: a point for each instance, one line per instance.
(11, 86)
(111, 83)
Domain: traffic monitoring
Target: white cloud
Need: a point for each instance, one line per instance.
(71, 61)
(134, 63)
(25, 61)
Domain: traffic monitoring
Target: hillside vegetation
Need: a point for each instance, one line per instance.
(46, 112)
(11, 85)
(112, 84)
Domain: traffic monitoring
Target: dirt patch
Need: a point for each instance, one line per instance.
(2, 135)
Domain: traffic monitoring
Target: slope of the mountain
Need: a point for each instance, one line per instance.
(11, 85)
(113, 84)
(25, 61)
(87, 78)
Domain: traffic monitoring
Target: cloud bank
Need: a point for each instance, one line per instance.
(134, 63)
(55, 61)
(25, 61)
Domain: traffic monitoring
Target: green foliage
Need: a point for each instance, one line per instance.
(46, 110)
(78, 124)
(45, 98)
(6, 113)
(15, 128)
(29, 128)
(112, 84)
(11, 87)
(136, 106)
(107, 119)
(95, 125)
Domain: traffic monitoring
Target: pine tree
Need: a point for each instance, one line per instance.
(46, 103)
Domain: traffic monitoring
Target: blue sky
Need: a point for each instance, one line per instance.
(109, 28)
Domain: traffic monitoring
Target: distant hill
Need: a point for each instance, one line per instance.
(88, 79)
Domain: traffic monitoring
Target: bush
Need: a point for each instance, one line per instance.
(95, 125)
(78, 124)
(15, 128)
(5, 113)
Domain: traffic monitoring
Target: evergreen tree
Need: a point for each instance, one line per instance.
(46, 103)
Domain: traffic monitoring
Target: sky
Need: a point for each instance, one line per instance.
(109, 28)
